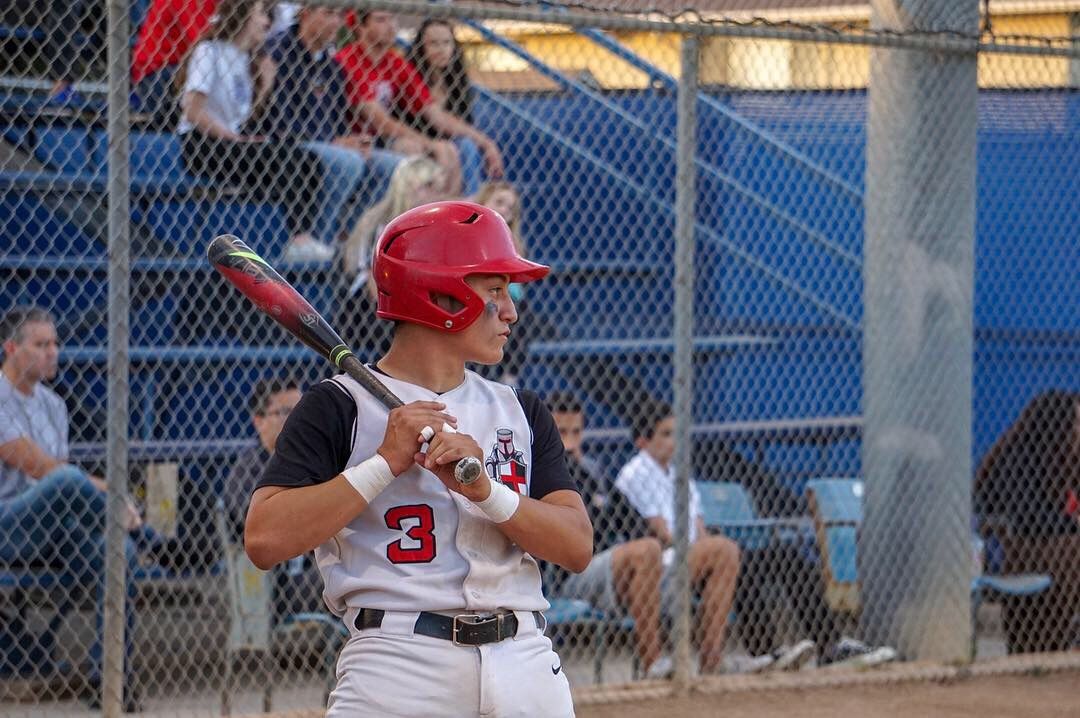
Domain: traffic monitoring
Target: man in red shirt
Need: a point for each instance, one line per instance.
(379, 80)
(171, 28)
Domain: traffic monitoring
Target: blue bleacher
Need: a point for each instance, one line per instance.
(611, 249)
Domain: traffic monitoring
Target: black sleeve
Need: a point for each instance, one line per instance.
(316, 441)
(549, 472)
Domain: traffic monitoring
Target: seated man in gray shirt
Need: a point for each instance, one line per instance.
(297, 584)
(52, 514)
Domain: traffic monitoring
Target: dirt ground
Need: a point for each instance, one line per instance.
(1045, 696)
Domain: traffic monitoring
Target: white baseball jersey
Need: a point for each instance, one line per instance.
(418, 546)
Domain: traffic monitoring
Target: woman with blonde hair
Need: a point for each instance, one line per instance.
(416, 181)
(504, 198)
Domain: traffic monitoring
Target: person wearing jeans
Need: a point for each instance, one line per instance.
(380, 82)
(308, 105)
(52, 514)
(222, 92)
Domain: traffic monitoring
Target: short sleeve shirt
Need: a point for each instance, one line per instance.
(392, 81)
(220, 71)
(650, 488)
(41, 417)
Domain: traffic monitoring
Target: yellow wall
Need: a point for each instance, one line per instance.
(1000, 70)
(761, 64)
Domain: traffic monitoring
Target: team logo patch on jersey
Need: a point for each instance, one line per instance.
(507, 464)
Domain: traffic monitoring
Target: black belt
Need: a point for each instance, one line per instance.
(465, 629)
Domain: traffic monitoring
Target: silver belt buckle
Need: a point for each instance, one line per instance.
(471, 619)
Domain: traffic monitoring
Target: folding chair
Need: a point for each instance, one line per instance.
(250, 593)
(836, 507)
(726, 507)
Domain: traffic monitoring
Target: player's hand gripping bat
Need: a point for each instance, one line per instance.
(258, 281)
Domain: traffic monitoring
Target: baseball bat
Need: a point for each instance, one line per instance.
(268, 290)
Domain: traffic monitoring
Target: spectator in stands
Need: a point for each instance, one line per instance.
(170, 30)
(69, 27)
(416, 181)
(381, 81)
(1022, 490)
(297, 584)
(308, 105)
(225, 80)
(437, 56)
(648, 482)
(626, 567)
(504, 198)
(51, 513)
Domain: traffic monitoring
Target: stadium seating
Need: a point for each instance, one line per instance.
(837, 509)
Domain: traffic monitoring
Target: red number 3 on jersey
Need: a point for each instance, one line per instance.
(421, 548)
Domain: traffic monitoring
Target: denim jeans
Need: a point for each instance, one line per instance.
(472, 165)
(59, 523)
(351, 183)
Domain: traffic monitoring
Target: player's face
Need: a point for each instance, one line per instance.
(486, 338)
(269, 423)
(662, 444)
(438, 42)
(571, 426)
(35, 357)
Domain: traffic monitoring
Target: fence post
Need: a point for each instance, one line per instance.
(685, 187)
(117, 388)
(915, 563)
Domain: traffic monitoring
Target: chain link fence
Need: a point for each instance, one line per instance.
(809, 336)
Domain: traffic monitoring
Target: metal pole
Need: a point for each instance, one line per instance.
(685, 188)
(915, 564)
(1074, 62)
(117, 417)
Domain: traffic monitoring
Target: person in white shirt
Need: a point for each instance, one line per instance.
(648, 482)
(224, 81)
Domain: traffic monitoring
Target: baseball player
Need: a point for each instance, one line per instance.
(436, 580)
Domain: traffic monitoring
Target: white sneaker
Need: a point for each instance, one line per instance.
(308, 250)
(852, 653)
(748, 664)
(662, 669)
(792, 658)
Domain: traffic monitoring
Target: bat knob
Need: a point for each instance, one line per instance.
(468, 470)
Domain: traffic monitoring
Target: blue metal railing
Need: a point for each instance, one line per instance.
(668, 144)
(649, 196)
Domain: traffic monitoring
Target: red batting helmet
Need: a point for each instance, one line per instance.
(430, 250)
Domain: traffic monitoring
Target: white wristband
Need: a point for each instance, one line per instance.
(501, 503)
(369, 477)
